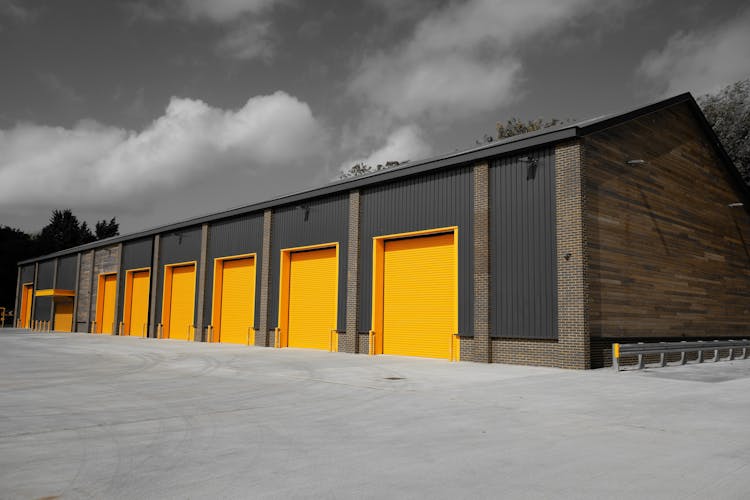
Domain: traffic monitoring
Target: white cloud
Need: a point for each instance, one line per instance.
(93, 165)
(222, 11)
(462, 58)
(701, 62)
(403, 144)
(251, 40)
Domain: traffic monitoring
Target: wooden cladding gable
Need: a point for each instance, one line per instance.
(667, 254)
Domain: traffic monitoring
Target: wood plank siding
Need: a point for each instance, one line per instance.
(668, 258)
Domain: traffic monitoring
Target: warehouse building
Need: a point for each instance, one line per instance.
(540, 249)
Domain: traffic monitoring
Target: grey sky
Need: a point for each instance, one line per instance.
(159, 111)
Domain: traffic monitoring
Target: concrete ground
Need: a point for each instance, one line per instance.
(87, 416)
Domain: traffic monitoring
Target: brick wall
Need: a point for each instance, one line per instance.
(264, 337)
(573, 340)
(348, 340)
(477, 348)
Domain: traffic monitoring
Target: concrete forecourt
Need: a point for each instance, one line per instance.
(92, 416)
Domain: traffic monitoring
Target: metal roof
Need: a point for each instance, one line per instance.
(515, 144)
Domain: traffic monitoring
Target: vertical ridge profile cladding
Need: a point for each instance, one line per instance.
(440, 199)
(182, 245)
(312, 222)
(27, 276)
(237, 236)
(523, 247)
(136, 254)
(44, 280)
(66, 272)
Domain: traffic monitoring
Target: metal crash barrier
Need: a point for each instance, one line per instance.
(662, 349)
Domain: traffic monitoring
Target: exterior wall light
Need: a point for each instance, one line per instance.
(533, 163)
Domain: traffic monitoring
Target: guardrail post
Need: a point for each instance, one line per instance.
(616, 356)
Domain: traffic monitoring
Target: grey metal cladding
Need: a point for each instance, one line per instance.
(136, 254)
(42, 307)
(66, 272)
(439, 199)
(27, 274)
(523, 283)
(182, 245)
(45, 278)
(312, 222)
(235, 236)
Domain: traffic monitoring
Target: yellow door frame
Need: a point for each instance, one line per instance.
(218, 290)
(127, 307)
(100, 302)
(285, 267)
(166, 300)
(378, 273)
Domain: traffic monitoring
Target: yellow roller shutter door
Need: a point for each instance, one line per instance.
(64, 315)
(109, 290)
(237, 301)
(312, 298)
(26, 300)
(138, 313)
(182, 303)
(419, 296)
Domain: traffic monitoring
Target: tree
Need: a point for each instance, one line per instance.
(63, 231)
(362, 168)
(728, 112)
(515, 126)
(15, 245)
(106, 229)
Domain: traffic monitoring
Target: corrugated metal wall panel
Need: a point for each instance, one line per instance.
(135, 254)
(42, 307)
(236, 236)
(66, 272)
(27, 276)
(46, 275)
(327, 221)
(523, 246)
(179, 246)
(439, 199)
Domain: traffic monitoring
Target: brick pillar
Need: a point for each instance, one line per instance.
(154, 282)
(118, 299)
(574, 342)
(478, 348)
(264, 337)
(74, 326)
(201, 285)
(52, 301)
(348, 342)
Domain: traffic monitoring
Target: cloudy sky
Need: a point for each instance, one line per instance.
(158, 111)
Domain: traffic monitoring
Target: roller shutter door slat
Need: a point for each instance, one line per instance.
(182, 302)
(141, 284)
(237, 300)
(312, 298)
(419, 296)
(108, 304)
